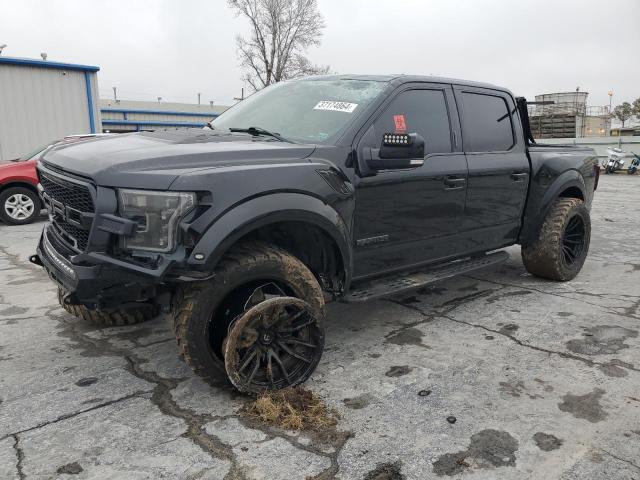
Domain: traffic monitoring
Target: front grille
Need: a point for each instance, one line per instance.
(70, 194)
(78, 237)
(74, 198)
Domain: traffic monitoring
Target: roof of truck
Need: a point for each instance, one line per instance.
(409, 78)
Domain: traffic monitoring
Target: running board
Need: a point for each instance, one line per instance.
(400, 283)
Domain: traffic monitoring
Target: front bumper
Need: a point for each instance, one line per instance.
(97, 285)
(80, 251)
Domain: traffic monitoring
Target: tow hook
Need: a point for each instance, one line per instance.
(35, 259)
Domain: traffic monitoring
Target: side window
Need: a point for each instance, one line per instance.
(418, 111)
(486, 123)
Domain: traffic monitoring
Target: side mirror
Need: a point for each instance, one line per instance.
(398, 150)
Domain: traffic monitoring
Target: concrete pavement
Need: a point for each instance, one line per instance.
(494, 375)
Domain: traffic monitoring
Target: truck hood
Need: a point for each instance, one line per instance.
(153, 160)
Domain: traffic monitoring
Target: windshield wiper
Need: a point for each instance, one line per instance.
(259, 131)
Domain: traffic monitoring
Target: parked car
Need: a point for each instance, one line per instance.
(333, 187)
(19, 200)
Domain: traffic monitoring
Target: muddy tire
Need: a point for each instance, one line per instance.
(562, 244)
(204, 311)
(111, 318)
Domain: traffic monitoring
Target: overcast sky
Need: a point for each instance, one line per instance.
(174, 49)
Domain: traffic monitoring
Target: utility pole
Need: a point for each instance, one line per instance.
(199, 98)
(115, 94)
(241, 96)
(610, 93)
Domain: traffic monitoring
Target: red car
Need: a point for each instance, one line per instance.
(19, 200)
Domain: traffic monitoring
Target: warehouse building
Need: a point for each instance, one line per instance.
(120, 116)
(41, 101)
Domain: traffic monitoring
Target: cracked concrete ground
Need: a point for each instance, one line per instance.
(493, 375)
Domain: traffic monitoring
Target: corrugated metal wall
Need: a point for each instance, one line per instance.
(160, 116)
(144, 118)
(39, 105)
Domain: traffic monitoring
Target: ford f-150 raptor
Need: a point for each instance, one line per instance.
(332, 187)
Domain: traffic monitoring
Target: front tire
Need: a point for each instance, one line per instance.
(19, 206)
(562, 245)
(110, 318)
(248, 276)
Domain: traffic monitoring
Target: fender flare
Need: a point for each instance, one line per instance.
(535, 216)
(264, 210)
(17, 182)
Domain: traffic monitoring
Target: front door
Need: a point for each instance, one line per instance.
(408, 217)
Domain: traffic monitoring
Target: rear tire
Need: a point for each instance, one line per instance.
(19, 206)
(110, 318)
(562, 245)
(204, 311)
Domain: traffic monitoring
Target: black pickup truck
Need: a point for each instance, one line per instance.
(333, 187)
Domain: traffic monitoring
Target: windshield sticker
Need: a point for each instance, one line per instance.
(336, 106)
(401, 126)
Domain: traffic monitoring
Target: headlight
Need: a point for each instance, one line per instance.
(157, 214)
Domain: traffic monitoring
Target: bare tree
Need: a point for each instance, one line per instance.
(281, 33)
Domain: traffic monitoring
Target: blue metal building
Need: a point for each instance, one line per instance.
(131, 115)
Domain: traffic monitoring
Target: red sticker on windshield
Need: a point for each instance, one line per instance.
(401, 126)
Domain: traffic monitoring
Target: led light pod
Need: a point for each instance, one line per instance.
(396, 139)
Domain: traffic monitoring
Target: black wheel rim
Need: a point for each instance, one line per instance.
(573, 240)
(239, 300)
(273, 345)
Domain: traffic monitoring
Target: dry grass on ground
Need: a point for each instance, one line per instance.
(292, 409)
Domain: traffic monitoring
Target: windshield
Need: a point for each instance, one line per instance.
(34, 154)
(313, 111)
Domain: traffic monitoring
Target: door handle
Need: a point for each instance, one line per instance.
(518, 177)
(452, 183)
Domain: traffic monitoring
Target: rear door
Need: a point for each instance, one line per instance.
(407, 217)
(498, 166)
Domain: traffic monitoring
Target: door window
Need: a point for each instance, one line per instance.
(486, 123)
(417, 111)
